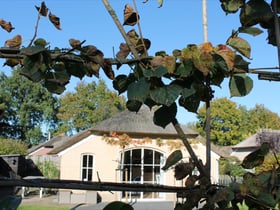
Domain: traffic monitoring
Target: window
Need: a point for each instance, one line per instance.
(142, 166)
(87, 167)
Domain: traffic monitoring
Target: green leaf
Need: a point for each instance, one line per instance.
(240, 65)
(75, 69)
(172, 159)
(267, 198)
(254, 12)
(54, 87)
(166, 95)
(33, 50)
(134, 93)
(59, 77)
(32, 68)
(188, 92)
(164, 115)
(231, 6)
(256, 158)
(185, 69)
(219, 70)
(158, 72)
(241, 45)
(240, 85)
(190, 103)
(120, 83)
(250, 30)
(10, 202)
(133, 105)
(118, 205)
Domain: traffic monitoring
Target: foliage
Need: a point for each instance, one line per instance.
(11, 146)
(231, 123)
(88, 105)
(27, 107)
(49, 169)
(10, 202)
(271, 162)
(226, 122)
(231, 166)
(260, 117)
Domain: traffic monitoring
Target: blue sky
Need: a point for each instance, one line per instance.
(174, 26)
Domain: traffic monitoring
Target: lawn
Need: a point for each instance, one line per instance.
(42, 208)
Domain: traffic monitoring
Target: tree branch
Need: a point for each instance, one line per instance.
(99, 186)
(120, 27)
(183, 137)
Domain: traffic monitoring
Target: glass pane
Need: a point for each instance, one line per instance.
(148, 156)
(157, 175)
(90, 175)
(136, 174)
(126, 157)
(136, 156)
(84, 160)
(90, 161)
(84, 174)
(157, 157)
(148, 174)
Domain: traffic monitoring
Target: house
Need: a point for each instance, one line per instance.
(126, 148)
(253, 142)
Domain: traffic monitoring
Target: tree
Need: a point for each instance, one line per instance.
(226, 122)
(28, 107)
(48, 168)
(231, 123)
(232, 167)
(260, 117)
(88, 105)
(271, 162)
(11, 146)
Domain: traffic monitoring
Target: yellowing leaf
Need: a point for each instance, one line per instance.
(206, 47)
(169, 62)
(15, 42)
(6, 25)
(227, 54)
(55, 21)
(172, 159)
(241, 45)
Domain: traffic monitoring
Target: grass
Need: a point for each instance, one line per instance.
(42, 208)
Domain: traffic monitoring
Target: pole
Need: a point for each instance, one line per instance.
(207, 83)
(204, 19)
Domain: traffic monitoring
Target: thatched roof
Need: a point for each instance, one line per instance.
(264, 135)
(139, 124)
(52, 143)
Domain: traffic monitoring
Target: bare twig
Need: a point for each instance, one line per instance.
(139, 29)
(120, 27)
(36, 28)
